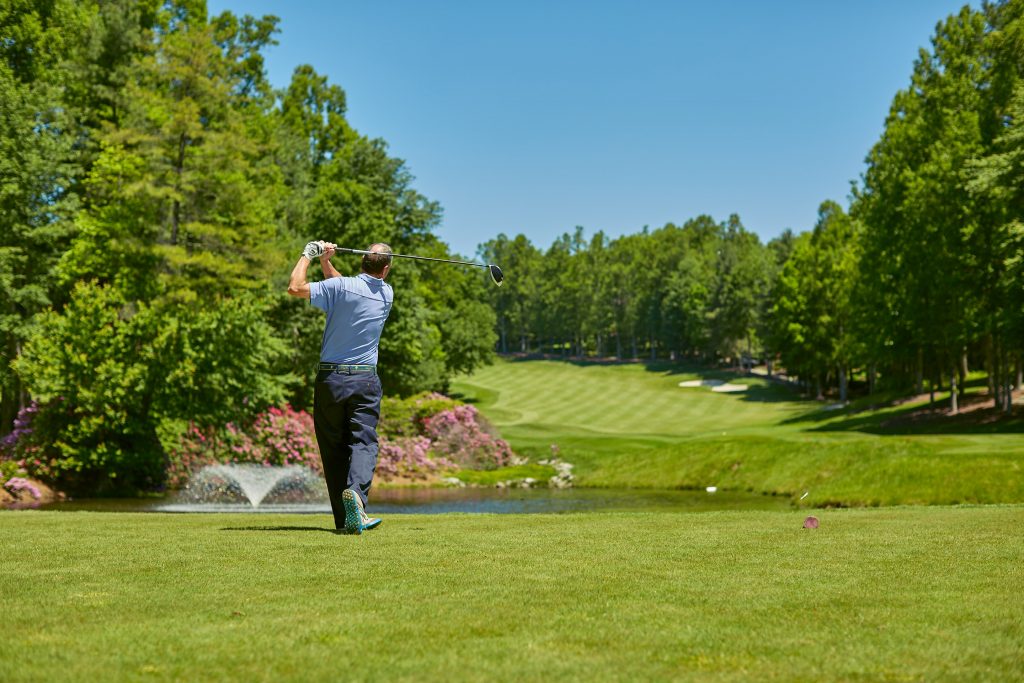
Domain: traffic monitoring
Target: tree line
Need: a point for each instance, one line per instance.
(155, 192)
(920, 279)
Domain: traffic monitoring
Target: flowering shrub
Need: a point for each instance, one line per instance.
(420, 436)
(459, 435)
(279, 436)
(404, 417)
(21, 454)
(17, 484)
(408, 456)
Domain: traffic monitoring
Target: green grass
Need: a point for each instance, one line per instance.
(542, 473)
(632, 425)
(890, 594)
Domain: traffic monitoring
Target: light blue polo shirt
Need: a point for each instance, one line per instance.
(356, 309)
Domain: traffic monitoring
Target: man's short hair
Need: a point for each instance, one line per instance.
(373, 264)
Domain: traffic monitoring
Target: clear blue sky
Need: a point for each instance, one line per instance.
(535, 117)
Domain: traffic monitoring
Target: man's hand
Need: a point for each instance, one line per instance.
(329, 248)
(313, 250)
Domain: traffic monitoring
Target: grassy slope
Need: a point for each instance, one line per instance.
(891, 594)
(630, 425)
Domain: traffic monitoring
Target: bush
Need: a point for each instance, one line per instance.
(419, 436)
(278, 436)
(409, 457)
(461, 435)
(404, 417)
(108, 372)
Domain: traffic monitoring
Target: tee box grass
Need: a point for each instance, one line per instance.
(923, 593)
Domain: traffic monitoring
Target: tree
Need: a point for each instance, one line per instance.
(37, 168)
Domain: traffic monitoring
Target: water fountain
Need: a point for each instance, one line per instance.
(258, 488)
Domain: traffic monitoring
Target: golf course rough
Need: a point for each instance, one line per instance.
(919, 593)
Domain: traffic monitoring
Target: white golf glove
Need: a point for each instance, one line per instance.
(313, 250)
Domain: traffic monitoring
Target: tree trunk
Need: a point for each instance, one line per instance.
(654, 350)
(769, 361)
(842, 383)
(178, 169)
(919, 377)
(990, 370)
(504, 337)
(618, 345)
(817, 386)
(872, 376)
(635, 353)
(963, 370)
(953, 405)
(1020, 373)
(1007, 384)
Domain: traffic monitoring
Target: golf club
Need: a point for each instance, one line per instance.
(494, 270)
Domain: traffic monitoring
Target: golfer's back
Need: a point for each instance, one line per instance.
(356, 308)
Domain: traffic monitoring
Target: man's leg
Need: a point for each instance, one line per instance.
(330, 420)
(363, 409)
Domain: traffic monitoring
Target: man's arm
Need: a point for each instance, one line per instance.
(297, 285)
(325, 261)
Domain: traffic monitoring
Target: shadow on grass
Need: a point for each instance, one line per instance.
(975, 418)
(770, 393)
(283, 528)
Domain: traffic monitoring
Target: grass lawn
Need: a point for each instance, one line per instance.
(633, 425)
(894, 594)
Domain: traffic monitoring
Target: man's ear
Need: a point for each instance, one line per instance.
(384, 273)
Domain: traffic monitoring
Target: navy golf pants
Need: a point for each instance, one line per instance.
(346, 409)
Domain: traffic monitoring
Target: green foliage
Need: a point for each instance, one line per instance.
(109, 372)
(158, 186)
(694, 290)
(403, 417)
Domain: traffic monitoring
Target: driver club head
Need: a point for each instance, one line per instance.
(496, 274)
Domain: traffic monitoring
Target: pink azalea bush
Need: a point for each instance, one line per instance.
(278, 436)
(409, 457)
(17, 485)
(419, 437)
(459, 434)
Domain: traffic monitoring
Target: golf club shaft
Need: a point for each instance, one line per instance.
(343, 250)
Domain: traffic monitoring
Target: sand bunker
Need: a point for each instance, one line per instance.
(702, 383)
(715, 384)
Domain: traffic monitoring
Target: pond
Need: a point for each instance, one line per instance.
(471, 500)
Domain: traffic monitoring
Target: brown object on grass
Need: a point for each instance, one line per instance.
(811, 522)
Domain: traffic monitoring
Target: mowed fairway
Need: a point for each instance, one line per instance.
(875, 595)
(633, 425)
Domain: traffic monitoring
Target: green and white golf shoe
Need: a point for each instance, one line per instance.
(356, 519)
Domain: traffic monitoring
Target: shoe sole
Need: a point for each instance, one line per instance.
(353, 520)
(372, 525)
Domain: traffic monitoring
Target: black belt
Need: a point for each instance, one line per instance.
(348, 369)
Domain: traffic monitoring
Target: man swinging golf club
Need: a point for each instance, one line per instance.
(346, 399)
